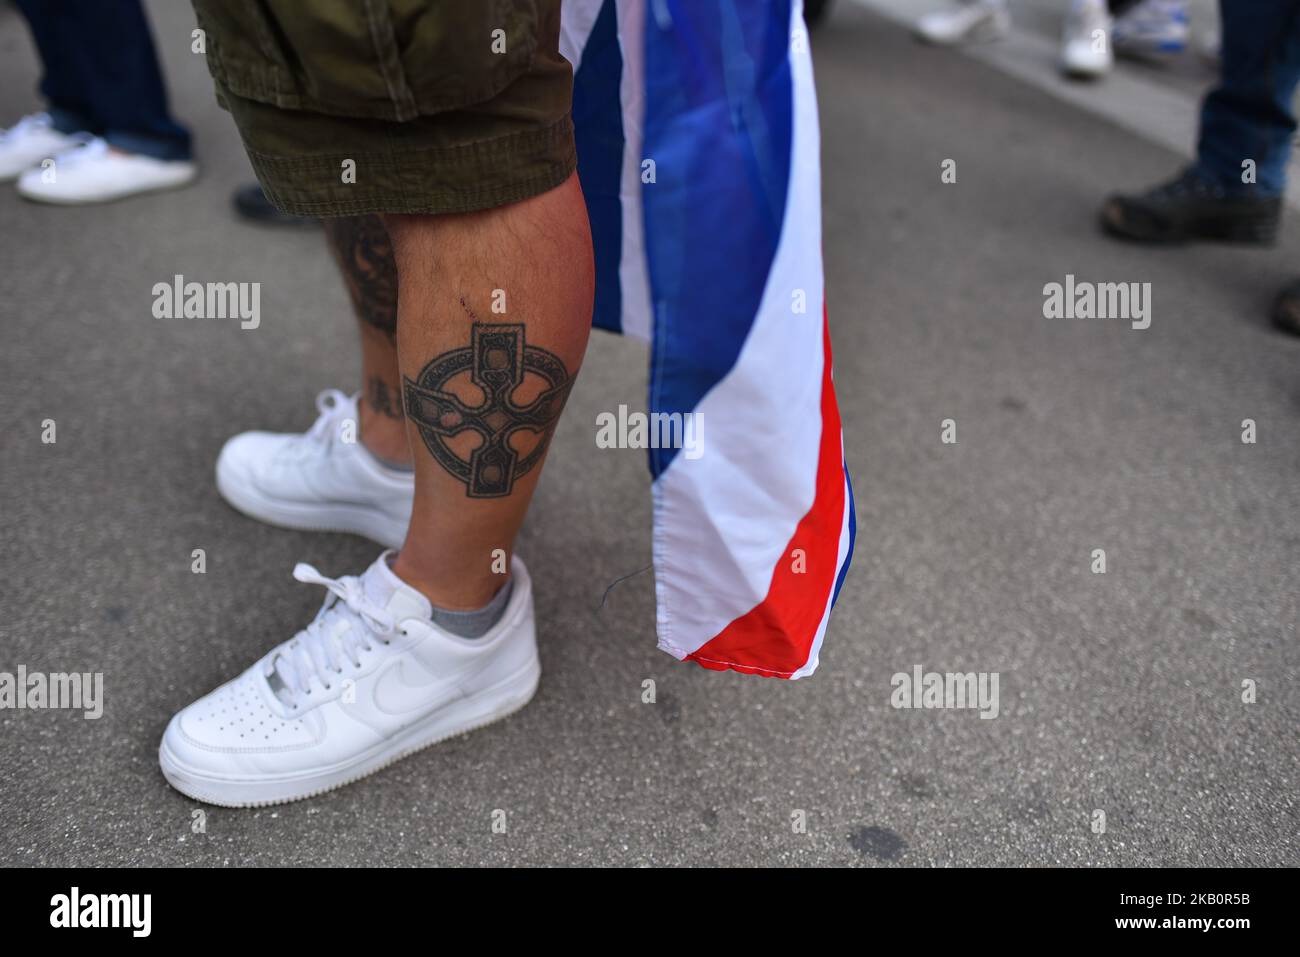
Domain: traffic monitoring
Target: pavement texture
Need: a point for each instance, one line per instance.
(1120, 692)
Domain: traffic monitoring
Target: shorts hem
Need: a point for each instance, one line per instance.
(421, 180)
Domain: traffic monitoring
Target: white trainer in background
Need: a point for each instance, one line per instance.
(318, 480)
(369, 681)
(27, 142)
(1152, 27)
(93, 172)
(973, 22)
(1086, 45)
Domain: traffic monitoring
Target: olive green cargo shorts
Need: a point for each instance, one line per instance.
(394, 106)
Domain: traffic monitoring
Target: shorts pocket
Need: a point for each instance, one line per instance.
(372, 59)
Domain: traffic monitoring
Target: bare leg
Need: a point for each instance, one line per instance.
(495, 311)
(365, 258)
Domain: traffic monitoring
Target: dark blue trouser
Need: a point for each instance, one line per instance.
(102, 74)
(1250, 115)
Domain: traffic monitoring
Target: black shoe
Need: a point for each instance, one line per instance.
(1191, 208)
(251, 203)
(1286, 309)
(814, 11)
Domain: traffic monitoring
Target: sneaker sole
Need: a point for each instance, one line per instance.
(979, 37)
(987, 32)
(338, 517)
(1139, 50)
(488, 706)
(55, 200)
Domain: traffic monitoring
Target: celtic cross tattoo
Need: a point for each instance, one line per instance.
(496, 360)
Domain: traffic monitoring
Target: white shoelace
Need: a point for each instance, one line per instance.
(342, 629)
(28, 124)
(334, 408)
(86, 148)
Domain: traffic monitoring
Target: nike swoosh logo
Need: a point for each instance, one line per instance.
(396, 693)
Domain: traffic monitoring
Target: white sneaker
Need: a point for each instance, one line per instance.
(318, 481)
(1085, 44)
(1153, 27)
(370, 680)
(27, 142)
(92, 172)
(973, 22)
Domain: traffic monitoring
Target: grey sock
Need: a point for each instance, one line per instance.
(476, 623)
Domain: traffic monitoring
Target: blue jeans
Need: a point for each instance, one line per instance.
(1249, 114)
(102, 74)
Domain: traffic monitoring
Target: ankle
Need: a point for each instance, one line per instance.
(459, 594)
(383, 435)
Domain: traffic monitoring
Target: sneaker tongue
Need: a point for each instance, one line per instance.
(384, 588)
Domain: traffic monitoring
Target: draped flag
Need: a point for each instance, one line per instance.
(698, 150)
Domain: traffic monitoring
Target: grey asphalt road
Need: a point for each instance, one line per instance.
(1120, 692)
